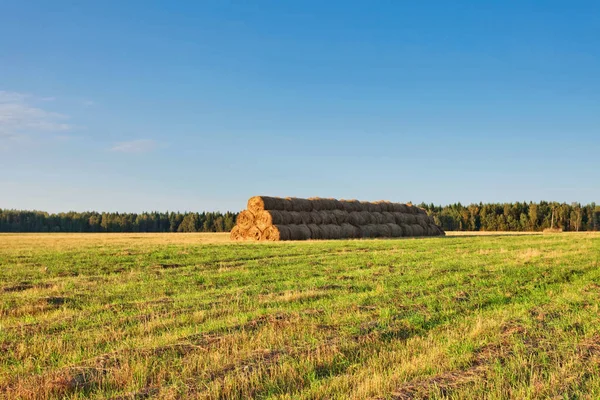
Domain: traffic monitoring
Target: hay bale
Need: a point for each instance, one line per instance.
(259, 203)
(382, 230)
(370, 207)
(236, 233)
(407, 230)
(299, 232)
(295, 217)
(418, 230)
(315, 217)
(315, 231)
(410, 219)
(331, 231)
(341, 217)
(356, 218)
(399, 217)
(388, 217)
(349, 231)
(306, 217)
(399, 207)
(412, 209)
(367, 231)
(276, 233)
(327, 217)
(396, 230)
(266, 218)
(377, 218)
(422, 220)
(300, 204)
(385, 206)
(245, 219)
(253, 233)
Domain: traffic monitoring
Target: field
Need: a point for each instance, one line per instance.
(136, 316)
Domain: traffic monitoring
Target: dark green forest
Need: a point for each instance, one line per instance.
(454, 217)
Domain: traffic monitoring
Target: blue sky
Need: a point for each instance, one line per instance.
(132, 106)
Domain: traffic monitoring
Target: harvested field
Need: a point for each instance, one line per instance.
(124, 316)
(275, 219)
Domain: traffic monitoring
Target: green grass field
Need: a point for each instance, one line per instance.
(127, 316)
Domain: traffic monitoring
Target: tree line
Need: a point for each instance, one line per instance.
(516, 216)
(39, 221)
(454, 217)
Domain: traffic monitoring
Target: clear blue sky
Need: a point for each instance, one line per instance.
(139, 105)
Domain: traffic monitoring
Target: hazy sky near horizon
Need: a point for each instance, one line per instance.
(136, 105)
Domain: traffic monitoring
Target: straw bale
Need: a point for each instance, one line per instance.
(299, 232)
(418, 230)
(236, 233)
(356, 218)
(395, 229)
(341, 217)
(300, 204)
(266, 218)
(407, 229)
(315, 231)
(349, 231)
(245, 219)
(388, 217)
(377, 218)
(331, 231)
(258, 203)
(276, 232)
(253, 233)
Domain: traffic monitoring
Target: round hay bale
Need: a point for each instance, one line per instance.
(395, 230)
(341, 217)
(421, 211)
(316, 218)
(258, 203)
(300, 204)
(306, 217)
(422, 220)
(349, 231)
(367, 231)
(317, 203)
(236, 233)
(382, 230)
(326, 217)
(407, 230)
(331, 231)
(347, 205)
(266, 218)
(245, 219)
(253, 233)
(295, 217)
(368, 218)
(399, 207)
(370, 207)
(388, 217)
(276, 232)
(299, 232)
(377, 218)
(410, 219)
(411, 209)
(315, 231)
(418, 230)
(356, 218)
(385, 206)
(399, 217)
(440, 231)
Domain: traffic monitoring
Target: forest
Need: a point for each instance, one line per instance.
(454, 217)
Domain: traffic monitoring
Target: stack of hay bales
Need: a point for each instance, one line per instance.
(275, 218)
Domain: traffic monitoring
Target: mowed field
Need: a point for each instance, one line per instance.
(136, 316)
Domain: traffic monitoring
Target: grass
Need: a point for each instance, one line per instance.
(128, 316)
